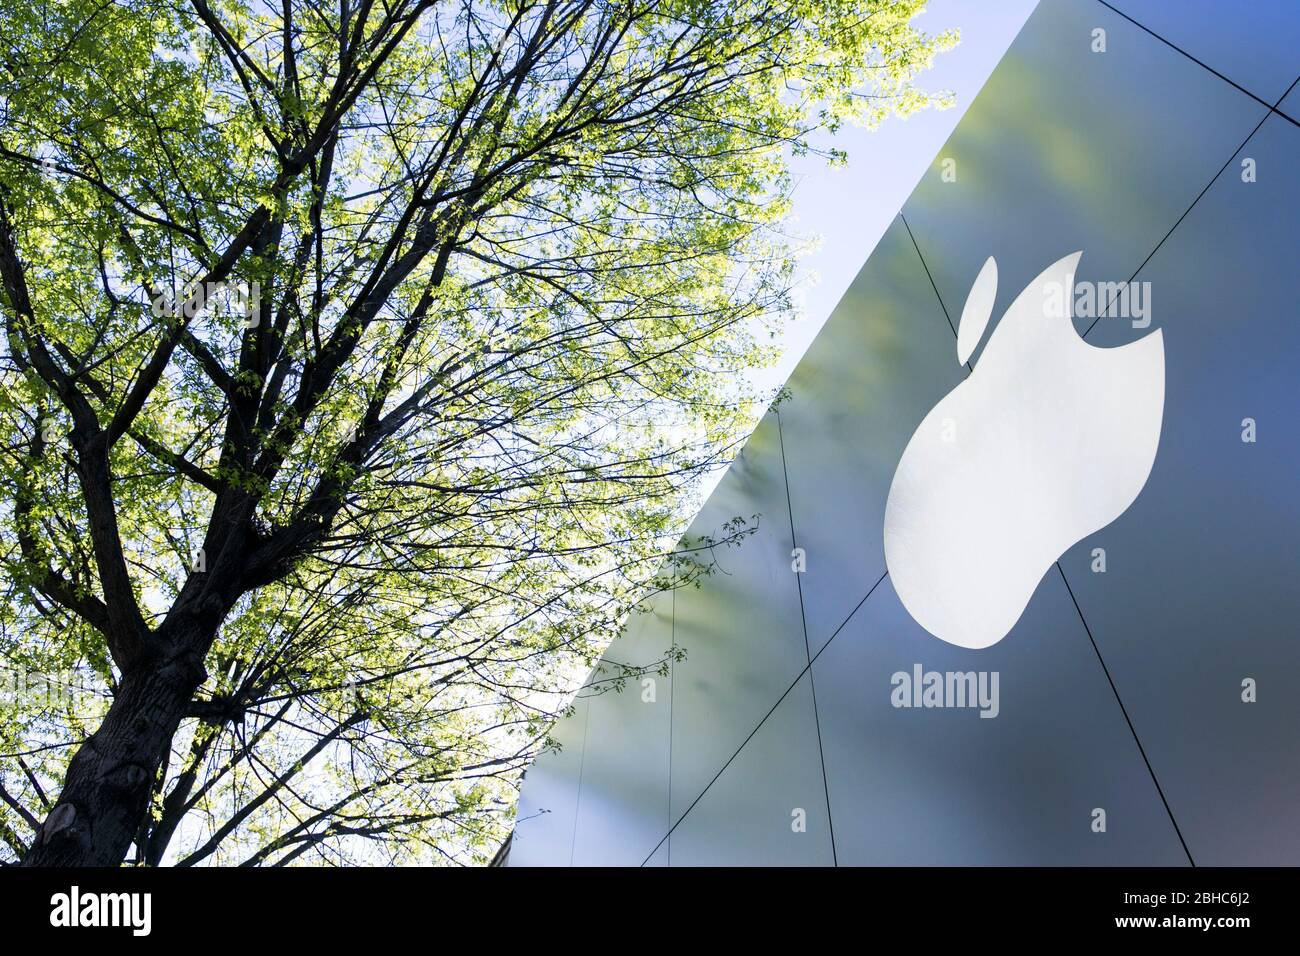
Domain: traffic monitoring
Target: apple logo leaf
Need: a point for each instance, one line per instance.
(975, 314)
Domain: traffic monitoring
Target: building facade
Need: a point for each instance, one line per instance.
(1145, 708)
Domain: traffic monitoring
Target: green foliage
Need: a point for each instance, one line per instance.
(510, 262)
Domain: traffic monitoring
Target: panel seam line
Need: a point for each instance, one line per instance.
(803, 618)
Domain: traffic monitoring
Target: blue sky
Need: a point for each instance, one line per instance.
(849, 207)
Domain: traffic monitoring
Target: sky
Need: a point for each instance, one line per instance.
(849, 207)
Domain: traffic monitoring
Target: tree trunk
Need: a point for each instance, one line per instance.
(107, 788)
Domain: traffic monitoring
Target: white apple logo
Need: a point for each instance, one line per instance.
(1048, 440)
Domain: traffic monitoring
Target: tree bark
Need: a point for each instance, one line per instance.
(110, 779)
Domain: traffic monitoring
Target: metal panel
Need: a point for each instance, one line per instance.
(885, 357)
(1291, 105)
(945, 786)
(768, 807)
(741, 630)
(548, 798)
(1202, 583)
(1066, 150)
(623, 803)
(1253, 44)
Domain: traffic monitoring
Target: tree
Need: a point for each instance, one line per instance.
(358, 358)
